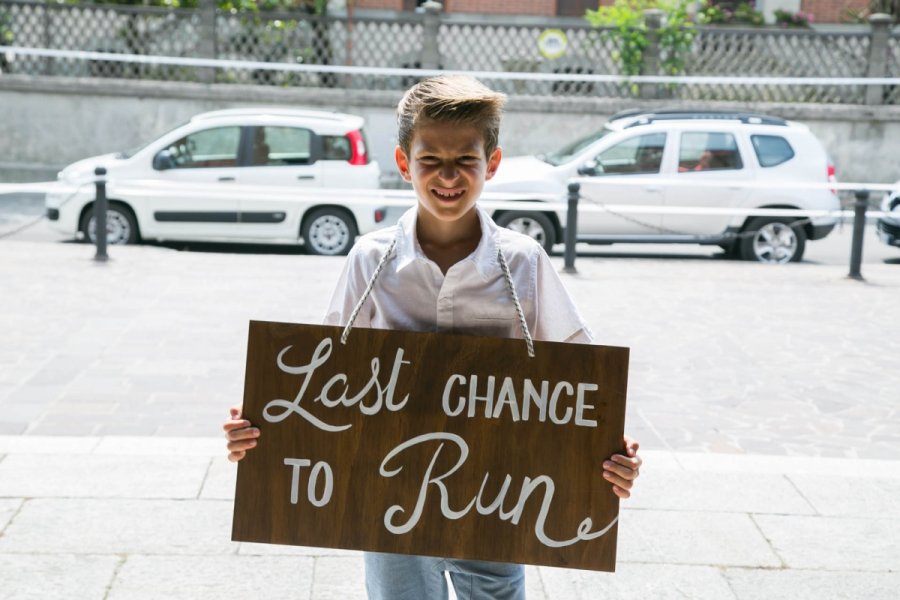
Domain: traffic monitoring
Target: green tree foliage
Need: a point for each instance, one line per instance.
(730, 13)
(625, 18)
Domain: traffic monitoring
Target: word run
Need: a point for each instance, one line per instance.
(479, 502)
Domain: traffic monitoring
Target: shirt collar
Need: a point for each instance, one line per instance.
(485, 256)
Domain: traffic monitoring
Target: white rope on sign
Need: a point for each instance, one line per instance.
(12, 51)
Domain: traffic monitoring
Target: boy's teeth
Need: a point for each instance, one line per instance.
(447, 194)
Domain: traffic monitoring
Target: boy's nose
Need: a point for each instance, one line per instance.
(448, 172)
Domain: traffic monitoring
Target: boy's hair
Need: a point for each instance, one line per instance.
(451, 99)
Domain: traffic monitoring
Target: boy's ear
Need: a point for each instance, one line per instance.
(402, 164)
(493, 163)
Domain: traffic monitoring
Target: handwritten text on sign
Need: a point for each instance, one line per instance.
(433, 444)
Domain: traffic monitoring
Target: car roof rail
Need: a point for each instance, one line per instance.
(645, 118)
(271, 110)
(630, 112)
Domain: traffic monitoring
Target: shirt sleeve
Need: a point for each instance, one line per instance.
(349, 289)
(556, 317)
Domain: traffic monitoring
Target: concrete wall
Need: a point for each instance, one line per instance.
(50, 122)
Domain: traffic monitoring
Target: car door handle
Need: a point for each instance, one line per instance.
(306, 176)
(653, 188)
(226, 178)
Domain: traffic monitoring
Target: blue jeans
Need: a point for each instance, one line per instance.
(402, 577)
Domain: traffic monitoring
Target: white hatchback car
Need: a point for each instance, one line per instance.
(709, 155)
(207, 180)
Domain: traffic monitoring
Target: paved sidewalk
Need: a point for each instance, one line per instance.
(726, 356)
(765, 399)
(120, 518)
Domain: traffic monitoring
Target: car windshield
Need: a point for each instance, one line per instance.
(133, 151)
(566, 153)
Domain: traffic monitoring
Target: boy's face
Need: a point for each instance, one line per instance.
(447, 168)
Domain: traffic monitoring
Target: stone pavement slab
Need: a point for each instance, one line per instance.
(812, 585)
(56, 576)
(251, 549)
(201, 577)
(635, 580)
(160, 446)
(719, 492)
(701, 462)
(8, 508)
(693, 538)
(831, 495)
(339, 577)
(109, 526)
(834, 543)
(220, 480)
(101, 477)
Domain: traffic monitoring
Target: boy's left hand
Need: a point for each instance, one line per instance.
(622, 469)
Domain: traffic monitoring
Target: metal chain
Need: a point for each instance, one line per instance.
(800, 222)
(515, 297)
(13, 232)
(37, 220)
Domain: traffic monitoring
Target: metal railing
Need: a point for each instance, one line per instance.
(432, 40)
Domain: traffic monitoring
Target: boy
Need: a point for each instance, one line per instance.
(447, 267)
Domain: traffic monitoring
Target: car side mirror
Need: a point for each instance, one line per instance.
(589, 169)
(163, 161)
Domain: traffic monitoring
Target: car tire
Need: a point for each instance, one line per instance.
(535, 225)
(773, 240)
(329, 232)
(121, 225)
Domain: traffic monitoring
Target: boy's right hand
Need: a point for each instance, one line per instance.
(241, 435)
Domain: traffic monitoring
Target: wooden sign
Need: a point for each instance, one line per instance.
(431, 444)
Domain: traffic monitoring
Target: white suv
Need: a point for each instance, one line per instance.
(207, 180)
(694, 149)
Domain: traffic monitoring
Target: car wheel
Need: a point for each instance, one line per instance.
(772, 240)
(329, 232)
(533, 224)
(121, 226)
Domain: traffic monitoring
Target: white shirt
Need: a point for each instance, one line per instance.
(411, 293)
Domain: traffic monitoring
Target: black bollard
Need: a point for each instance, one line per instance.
(100, 205)
(571, 227)
(859, 229)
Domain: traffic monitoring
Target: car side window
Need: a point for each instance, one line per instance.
(771, 150)
(336, 147)
(209, 148)
(281, 146)
(639, 154)
(708, 151)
